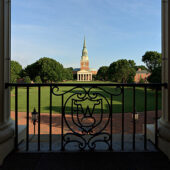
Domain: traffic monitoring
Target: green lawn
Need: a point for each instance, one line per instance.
(117, 104)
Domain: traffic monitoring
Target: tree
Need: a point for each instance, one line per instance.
(68, 74)
(15, 71)
(27, 79)
(156, 76)
(37, 79)
(48, 69)
(102, 73)
(152, 59)
(122, 70)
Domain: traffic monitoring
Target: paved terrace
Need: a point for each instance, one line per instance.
(116, 128)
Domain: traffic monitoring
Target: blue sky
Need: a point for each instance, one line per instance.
(114, 29)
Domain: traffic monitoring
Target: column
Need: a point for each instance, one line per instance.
(6, 130)
(164, 122)
(91, 77)
(83, 77)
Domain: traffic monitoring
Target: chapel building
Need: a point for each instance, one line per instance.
(85, 73)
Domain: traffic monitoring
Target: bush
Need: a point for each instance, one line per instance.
(37, 79)
(141, 81)
(27, 79)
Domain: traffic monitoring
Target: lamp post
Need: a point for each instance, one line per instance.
(136, 116)
(34, 118)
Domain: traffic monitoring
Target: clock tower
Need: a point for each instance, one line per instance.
(84, 63)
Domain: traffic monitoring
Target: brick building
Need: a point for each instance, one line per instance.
(141, 74)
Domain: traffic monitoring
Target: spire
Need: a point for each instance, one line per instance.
(84, 46)
(84, 51)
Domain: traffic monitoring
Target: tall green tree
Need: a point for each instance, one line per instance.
(122, 70)
(156, 76)
(102, 73)
(48, 69)
(152, 59)
(15, 71)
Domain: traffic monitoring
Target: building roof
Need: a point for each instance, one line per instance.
(84, 71)
(142, 71)
(76, 69)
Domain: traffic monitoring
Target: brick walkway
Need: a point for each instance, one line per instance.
(116, 125)
(56, 122)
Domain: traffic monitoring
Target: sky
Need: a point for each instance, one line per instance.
(114, 29)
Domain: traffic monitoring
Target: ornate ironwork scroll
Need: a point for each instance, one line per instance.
(85, 126)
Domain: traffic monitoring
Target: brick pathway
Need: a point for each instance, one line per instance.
(116, 123)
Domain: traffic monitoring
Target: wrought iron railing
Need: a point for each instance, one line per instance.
(85, 129)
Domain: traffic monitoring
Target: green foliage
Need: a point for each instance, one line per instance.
(102, 73)
(48, 69)
(141, 80)
(142, 67)
(156, 76)
(122, 71)
(152, 59)
(27, 79)
(15, 71)
(94, 77)
(37, 79)
(68, 74)
(130, 79)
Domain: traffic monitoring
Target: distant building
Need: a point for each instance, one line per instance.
(84, 73)
(141, 74)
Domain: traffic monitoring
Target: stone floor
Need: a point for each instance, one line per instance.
(101, 146)
(87, 161)
(140, 159)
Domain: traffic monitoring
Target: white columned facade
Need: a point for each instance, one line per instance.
(164, 122)
(6, 128)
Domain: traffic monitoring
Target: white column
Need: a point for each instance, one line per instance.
(77, 77)
(91, 77)
(164, 122)
(6, 130)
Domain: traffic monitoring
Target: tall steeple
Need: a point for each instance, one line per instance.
(84, 46)
(84, 51)
(84, 63)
